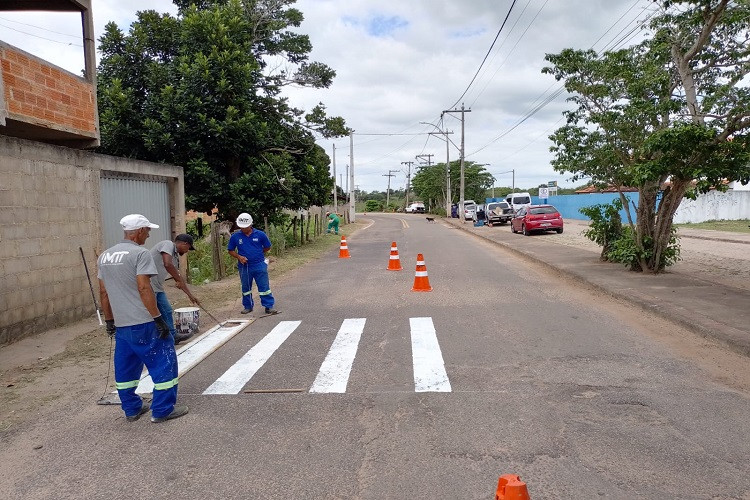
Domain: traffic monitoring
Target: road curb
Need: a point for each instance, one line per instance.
(732, 338)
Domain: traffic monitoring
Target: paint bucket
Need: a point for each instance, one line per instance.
(187, 320)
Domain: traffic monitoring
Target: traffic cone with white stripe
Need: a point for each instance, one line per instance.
(421, 281)
(343, 249)
(394, 264)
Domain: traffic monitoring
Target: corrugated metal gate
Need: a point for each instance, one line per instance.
(129, 195)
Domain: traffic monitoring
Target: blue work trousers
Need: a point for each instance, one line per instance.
(259, 273)
(165, 308)
(135, 346)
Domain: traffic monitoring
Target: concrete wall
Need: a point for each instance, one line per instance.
(49, 207)
(732, 205)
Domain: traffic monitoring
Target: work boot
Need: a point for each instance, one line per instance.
(144, 409)
(271, 311)
(181, 337)
(246, 311)
(177, 412)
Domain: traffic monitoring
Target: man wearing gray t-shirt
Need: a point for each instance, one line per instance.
(132, 317)
(166, 255)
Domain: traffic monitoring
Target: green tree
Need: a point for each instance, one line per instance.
(203, 90)
(668, 116)
(429, 183)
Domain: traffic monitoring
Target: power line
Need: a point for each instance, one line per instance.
(40, 28)
(42, 37)
(486, 55)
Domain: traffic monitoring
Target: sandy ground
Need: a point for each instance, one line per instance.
(58, 370)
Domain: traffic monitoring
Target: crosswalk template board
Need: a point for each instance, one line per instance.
(429, 369)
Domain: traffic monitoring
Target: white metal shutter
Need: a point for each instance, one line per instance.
(128, 195)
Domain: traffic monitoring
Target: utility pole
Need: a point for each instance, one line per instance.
(461, 197)
(388, 193)
(408, 179)
(335, 205)
(429, 158)
(352, 216)
(448, 197)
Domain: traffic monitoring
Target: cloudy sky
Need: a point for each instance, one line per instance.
(400, 63)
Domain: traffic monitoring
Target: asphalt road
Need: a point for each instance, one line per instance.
(566, 389)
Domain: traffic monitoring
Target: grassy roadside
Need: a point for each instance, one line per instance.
(735, 226)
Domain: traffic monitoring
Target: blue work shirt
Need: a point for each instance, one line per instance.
(250, 246)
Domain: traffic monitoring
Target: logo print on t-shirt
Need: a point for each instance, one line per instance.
(113, 258)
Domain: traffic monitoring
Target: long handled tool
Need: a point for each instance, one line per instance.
(91, 287)
(220, 323)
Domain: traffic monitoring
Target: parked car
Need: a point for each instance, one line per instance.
(470, 209)
(415, 208)
(480, 211)
(498, 212)
(536, 218)
(518, 200)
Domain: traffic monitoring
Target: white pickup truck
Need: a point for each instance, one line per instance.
(415, 208)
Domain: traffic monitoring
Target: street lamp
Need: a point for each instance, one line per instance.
(513, 188)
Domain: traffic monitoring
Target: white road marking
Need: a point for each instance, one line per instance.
(235, 378)
(334, 372)
(194, 352)
(429, 368)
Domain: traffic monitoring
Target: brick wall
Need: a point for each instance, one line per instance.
(40, 94)
(49, 207)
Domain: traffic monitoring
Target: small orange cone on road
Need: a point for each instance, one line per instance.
(510, 487)
(421, 281)
(343, 249)
(394, 264)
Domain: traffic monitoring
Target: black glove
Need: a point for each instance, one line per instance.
(110, 327)
(162, 327)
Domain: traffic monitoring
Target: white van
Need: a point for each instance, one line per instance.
(518, 200)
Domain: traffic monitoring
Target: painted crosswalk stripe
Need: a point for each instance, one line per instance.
(197, 349)
(235, 378)
(334, 372)
(429, 368)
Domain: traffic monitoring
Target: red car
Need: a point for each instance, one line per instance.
(536, 218)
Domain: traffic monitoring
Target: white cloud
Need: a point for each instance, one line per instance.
(402, 62)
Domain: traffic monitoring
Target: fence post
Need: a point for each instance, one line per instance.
(294, 230)
(301, 229)
(215, 256)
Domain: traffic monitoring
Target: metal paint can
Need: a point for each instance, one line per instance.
(187, 320)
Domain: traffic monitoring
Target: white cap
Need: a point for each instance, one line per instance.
(244, 220)
(136, 221)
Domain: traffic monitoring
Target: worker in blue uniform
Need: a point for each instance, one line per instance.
(250, 246)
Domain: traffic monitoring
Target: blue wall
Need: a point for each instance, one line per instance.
(568, 204)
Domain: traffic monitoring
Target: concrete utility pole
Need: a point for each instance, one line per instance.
(408, 179)
(447, 167)
(351, 178)
(335, 188)
(461, 197)
(388, 193)
(429, 158)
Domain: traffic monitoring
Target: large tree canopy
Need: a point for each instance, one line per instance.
(203, 90)
(429, 183)
(669, 116)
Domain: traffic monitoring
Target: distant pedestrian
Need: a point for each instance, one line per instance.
(333, 222)
(133, 318)
(250, 246)
(166, 255)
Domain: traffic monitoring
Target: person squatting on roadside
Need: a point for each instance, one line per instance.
(166, 255)
(249, 246)
(132, 317)
(333, 222)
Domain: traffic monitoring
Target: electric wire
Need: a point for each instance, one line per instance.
(486, 55)
(40, 28)
(42, 37)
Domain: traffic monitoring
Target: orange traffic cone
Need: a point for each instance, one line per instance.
(421, 281)
(394, 264)
(343, 249)
(510, 487)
